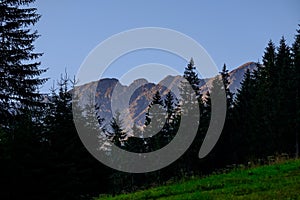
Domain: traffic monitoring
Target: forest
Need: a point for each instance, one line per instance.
(42, 156)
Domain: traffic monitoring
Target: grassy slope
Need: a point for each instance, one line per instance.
(278, 181)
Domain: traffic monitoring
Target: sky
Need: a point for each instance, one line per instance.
(232, 32)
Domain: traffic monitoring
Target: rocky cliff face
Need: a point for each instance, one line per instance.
(134, 99)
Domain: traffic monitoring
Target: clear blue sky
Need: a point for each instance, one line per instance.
(233, 32)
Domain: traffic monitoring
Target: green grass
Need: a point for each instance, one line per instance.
(277, 181)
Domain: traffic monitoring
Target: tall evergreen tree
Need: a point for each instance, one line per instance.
(75, 169)
(296, 82)
(264, 111)
(136, 142)
(284, 104)
(226, 149)
(190, 97)
(20, 100)
(225, 78)
(19, 70)
(171, 107)
(205, 113)
(242, 118)
(154, 123)
(191, 76)
(60, 120)
(118, 134)
(269, 59)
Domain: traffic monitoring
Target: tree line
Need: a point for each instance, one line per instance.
(41, 155)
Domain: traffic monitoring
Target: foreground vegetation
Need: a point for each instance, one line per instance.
(277, 181)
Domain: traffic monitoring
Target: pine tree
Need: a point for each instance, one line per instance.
(225, 78)
(285, 105)
(154, 112)
(269, 58)
(190, 102)
(60, 119)
(93, 120)
(189, 89)
(157, 99)
(242, 118)
(206, 113)
(21, 105)
(170, 127)
(265, 99)
(135, 143)
(19, 70)
(20, 100)
(118, 135)
(169, 106)
(296, 82)
(154, 123)
(191, 76)
(244, 93)
(226, 148)
(67, 156)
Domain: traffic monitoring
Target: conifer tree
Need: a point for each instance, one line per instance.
(226, 148)
(20, 100)
(191, 98)
(295, 83)
(154, 123)
(117, 133)
(136, 142)
(284, 105)
(205, 113)
(242, 118)
(264, 111)
(60, 120)
(19, 69)
(225, 78)
(269, 58)
(171, 107)
(191, 76)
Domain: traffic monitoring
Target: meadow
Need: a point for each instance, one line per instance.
(275, 181)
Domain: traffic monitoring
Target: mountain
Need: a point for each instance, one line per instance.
(235, 77)
(133, 100)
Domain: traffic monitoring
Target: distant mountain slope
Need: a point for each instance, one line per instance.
(142, 92)
(235, 77)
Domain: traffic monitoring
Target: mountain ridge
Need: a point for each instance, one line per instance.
(142, 91)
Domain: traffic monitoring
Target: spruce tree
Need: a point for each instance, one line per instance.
(67, 156)
(154, 123)
(285, 104)
(242, 118)
(191, 76)
(189, 89)
(117, 133)
(226, 148)
(20, 100)
(225, 78)
(60, 118)
(170, 127)
(19, 69)
(296, 82)
(206, 113)
(265, 99)
(135, 142)
(269, 58)
(190, 97)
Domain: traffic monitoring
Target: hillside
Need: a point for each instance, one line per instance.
(277, 181)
